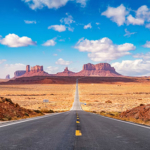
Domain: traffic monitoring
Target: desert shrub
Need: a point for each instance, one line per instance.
(108, 102)
(51, 111)
(96, 101)
(38, 111)
(26, 114)
(93, 111)
(4, 119)
(47, 111)
(142, 105)
(7, 117)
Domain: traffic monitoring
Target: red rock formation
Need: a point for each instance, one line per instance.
(66, 72)
(141, 112)
(37, 68)
(8, 76)
(101, 69)
(28, 68)
(35, 71)
(19, 73)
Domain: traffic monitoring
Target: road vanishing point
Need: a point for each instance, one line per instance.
(73, 130)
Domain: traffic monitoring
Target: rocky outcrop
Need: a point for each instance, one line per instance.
(141, 112)
(12, 111)
(28, 68)
(66, 72)
(8, 76)
(35, 71)
(101, 69)
(19, 73)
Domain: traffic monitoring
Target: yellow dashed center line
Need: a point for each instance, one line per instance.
(78, 133)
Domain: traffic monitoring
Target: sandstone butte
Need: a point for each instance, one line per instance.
(98, 70)
(101, 69)
(19, 73)
(34, 71)
(8, 76)
(66, 72)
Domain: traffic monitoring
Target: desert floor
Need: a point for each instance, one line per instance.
(122, 96)
(60, 96)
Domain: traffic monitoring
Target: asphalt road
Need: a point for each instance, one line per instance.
(76, 105)
(74, 130)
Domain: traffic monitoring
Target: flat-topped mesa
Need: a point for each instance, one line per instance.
(100, 66)
(101, 69)
(34, 71)
(37, 68)
(8, 76)
(19, 73)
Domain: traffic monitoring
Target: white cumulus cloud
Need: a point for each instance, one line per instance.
(143, 56)
(10, 69)
(103, 49)
(143, 12)
(59, 28)
(147, 45)
(52, 70)
(88, 26)
(63, 62)
(50, 43)
(13, 40)
(135, 21)
(39, 4)
(67, 20)
(2, 61)
(116, 14)
(147, 25)
(82, 2)
(121, 15)
(137, 67)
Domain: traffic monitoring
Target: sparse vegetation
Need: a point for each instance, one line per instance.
(116, 97)
(47, 111)
(112, 99)
(12, 111)
(60, 96)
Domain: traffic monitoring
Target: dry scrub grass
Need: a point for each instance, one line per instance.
(121, 96)
(60, 96)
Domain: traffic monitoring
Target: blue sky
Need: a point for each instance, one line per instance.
(70, 33)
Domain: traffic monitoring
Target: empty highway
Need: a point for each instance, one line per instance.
(74, 130)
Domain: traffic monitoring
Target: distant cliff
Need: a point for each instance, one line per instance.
(19, 73)
(101, 69)
(8, 76)
(35, 71)
(66, 72)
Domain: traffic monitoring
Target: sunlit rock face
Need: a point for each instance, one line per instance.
(101, 69)
(66, 72)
